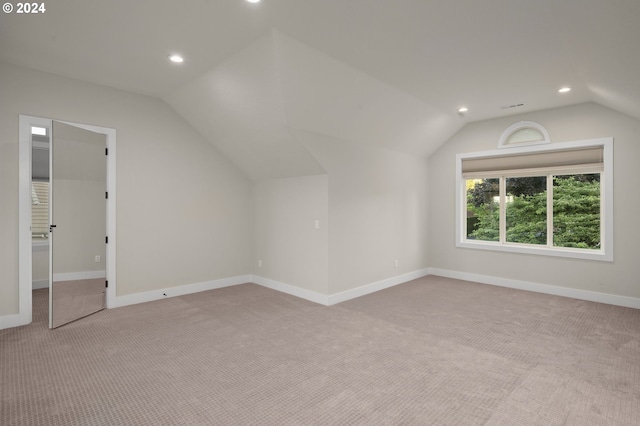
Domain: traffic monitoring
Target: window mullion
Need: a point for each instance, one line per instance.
(550, 210)
(603, 217)
(503, 209)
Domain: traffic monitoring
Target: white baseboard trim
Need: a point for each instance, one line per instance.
(333, 299)
(84, 275)
(302, 293)
(38, 284)
(150, 296)
(592, 296)
(10, 321)
(376, 286)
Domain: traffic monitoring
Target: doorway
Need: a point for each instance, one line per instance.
(82, 197)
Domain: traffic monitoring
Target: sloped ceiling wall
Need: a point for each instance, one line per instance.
(249, 105)
(238, 106)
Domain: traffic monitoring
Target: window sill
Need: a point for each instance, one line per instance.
(586, 254)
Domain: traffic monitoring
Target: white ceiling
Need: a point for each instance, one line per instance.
(387, 72)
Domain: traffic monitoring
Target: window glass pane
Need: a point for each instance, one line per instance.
(526, 208)
(576, 211)
(525, 135)
(483, 209)
(37, 130)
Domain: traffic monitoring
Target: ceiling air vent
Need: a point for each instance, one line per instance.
(511, 106)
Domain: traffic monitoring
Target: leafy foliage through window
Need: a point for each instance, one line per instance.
(570, 218)
(576, 211)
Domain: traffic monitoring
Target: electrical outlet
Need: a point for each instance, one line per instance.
(97, 259)
(259, 263)
(317, 224)
(395, 262)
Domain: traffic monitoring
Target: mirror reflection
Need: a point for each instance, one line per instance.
(78, 220)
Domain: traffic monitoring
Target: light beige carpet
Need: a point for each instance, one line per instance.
(432, 351)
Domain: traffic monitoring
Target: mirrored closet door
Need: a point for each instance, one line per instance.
(77, 195)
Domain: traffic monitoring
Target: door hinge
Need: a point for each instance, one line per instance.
(106, 151)
(106, 284)
(106, 240)
(106, 195)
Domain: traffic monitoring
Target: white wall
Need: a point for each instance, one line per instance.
(286, 240)
(585, 121)
(8, 207)
(184, 211)
(377, 211)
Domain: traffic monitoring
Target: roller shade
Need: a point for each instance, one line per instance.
(592, 156)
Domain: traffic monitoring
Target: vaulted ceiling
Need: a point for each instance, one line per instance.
(389, 74)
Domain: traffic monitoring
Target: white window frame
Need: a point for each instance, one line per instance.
(505, 142)
(605, 253)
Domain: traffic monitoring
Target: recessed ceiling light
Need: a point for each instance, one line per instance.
(564, 90)
(176, 58)
(463, 109)
(253, 1)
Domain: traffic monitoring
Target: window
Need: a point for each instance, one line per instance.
(40, 210)
(523, 133)
(551, 200)
(39, 131)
